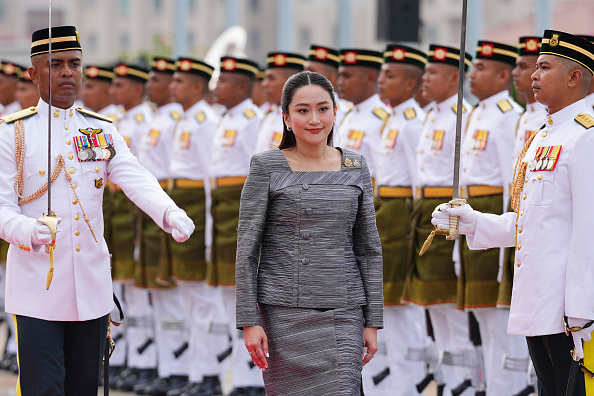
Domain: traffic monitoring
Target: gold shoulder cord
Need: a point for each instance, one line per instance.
(19, 184)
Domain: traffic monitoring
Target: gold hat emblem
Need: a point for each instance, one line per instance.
(280, 60)
(161, 64)
(440, 54)
(554, 41)
(77, 36)
(321, 53)
(92, 71)
(121, 70)
(398, 54)
(229, 64)
(532, 45)
(487, 50)
(185, 65)
(8, 69)
(350, 57)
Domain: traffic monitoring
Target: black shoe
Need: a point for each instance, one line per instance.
(210, 386)
(182, 391)
(141, 376)
(121, 376)
(255, 391)
(170, 383)
(114, 372)
(238, 392)
(142, 388)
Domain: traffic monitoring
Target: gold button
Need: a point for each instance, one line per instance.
(522, 213)
(539, 177)
(97, 169)
(520, 230)
(422, 168)
(77, 232)
(74, 201)
(519, 247)
(70, 156)
(524, 196)
(72, 170)
(422, 151)
(57, 113)
(78, 248)
(68, 142)
(526, 180)
(76, 217)
(544, 134)
(66, 127)
(427, 135)
(70, 112)
(476, 153)
(518, 264)
(41, 172)
(73, 186)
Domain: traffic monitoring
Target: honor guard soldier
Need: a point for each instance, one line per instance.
(590, 94)
(552, 294)
(361, 128)
(127, 90)
(95, 92)
(258, 92)
(280, 66)
(485, 172)
(190, 189)
(27, 93)
(432, 281)
(72, 315)
(154, 153)
(396, 180)
(325, 61)
(9, 77)
(233, 145)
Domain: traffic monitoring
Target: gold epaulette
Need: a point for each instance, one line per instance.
(175, 115)
(381, 113)
(249, 113)
(410, 113)
(93, 114)
(455, 109)
(200, 117)
(114, 117)
(504, 105)
(19, 115)
(585, 120)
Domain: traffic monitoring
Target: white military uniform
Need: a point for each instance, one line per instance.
(10, 108)
(343, 107)
(81, 288)
(554, 251)
(361, 129)
(112, 111)
(397, 168)
(232, 149)
(486, 148)
(190, 160)
(590, 102)
(139, 324)
(170, 321)
(270, 132)
(530, 122)
(435, 168)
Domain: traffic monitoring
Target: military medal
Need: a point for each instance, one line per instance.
(93, 147)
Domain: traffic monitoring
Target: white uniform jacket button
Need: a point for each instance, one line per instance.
(308, 211)
(305, 235)
(305, 261)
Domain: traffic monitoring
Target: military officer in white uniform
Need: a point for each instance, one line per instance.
(233, 146)
(551, 219)
(361, 128)
(485, 171)
(590, 93)
(127, 90)
(95, 92)
(396, 180)
(280, 66)
(70, 309)
(189, 188)
(432, 282)
(325, 61)
(9, 77)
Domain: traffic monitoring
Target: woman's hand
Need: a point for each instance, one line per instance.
(256, 343)
(370, 347)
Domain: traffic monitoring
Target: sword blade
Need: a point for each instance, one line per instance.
(49, 119)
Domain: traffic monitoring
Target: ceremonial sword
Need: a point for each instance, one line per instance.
(50, 220)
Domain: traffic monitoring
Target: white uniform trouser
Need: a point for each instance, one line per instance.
(404, 327)
(244, 374)
(118, 333)
(140, 328)
(496, 343)
(209, 331)
(171, 332)
(11, 346)
(450, 329)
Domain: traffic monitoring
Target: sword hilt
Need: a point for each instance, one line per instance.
(453, 231)
(51, 221)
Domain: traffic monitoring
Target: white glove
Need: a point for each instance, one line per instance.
(468, 218)
(182, 226)
(41, 234)
(578, 336)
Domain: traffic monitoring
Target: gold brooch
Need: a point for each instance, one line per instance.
(348, 162)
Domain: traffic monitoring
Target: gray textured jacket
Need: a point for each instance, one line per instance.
(308, 239)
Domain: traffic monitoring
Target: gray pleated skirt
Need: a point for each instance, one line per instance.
(313, 352)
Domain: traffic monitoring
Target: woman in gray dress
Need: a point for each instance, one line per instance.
(309, 261)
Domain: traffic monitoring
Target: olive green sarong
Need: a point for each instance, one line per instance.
(507, 274)
(123, 225)
(3, 249)
(152, 250)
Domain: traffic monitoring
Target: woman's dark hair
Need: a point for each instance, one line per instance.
(295, 82)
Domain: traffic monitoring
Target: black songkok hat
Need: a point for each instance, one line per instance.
(448, 55)
(568, 46)
(497, 52)
(361, 57)
(189, 65)
(99, 73)
(529, 45)
(285, 60)
(319, 53)
(132, 72)
(163, 65)
(396, 53)
(64, 38)
(239, 65)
